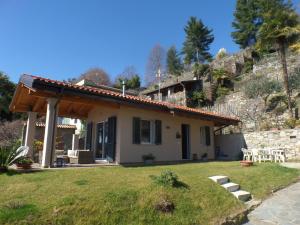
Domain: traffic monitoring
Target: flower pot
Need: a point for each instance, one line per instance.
(24, 166)
(246, 163)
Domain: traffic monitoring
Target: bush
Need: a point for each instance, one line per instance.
(24, 160)
(291, 123)
(166, 178)
(248, 66)
(222, 91)
(9, 155)
(261, 87)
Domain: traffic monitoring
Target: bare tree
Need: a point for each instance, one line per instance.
(10, 132)
(156, 60)
(97, 75)
(127, 73)
(130, 77)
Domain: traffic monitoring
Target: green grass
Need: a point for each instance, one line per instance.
(118, 195)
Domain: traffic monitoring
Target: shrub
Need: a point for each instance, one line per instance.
(9, 155)
(291, 123)
(222, 91)
(248, 66)
(261, 87)
(24, 160)
(166, 178)
(197, 98)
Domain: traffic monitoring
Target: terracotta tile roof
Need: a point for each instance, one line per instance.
(135, 99)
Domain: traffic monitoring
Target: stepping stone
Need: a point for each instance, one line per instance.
(231, 187)
(242, 195)
(219, 179)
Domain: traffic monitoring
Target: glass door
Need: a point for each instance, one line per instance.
(100, 141)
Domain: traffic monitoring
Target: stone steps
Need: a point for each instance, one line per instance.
(220, 179)
(231, 187)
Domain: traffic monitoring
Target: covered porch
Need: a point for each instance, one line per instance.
(52, 101)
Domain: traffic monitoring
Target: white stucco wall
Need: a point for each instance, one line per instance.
(169, 150)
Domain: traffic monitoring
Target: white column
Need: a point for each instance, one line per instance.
(30, 133)
(75, 142)
(50, 132)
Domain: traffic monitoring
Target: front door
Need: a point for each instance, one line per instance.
(110, 139)
(185, 133)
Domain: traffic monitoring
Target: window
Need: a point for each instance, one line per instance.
(146, 131)
(205, 135)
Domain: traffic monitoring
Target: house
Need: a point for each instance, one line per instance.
(177, 90)
(120, 128)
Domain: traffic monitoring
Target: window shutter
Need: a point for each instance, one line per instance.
(136, 130)
(207, 135)
(89, 132)
(158, 132)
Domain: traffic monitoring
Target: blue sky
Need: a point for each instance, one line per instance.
(60, 39)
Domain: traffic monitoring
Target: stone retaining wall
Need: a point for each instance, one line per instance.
(231, 144)
(289, 138)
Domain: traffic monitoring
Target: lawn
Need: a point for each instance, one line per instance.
(119, 195)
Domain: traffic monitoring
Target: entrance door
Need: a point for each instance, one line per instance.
(185, 133)
(110, 140)
(100, 141)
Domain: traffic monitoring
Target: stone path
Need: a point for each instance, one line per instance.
(283, 208)
(295, 165)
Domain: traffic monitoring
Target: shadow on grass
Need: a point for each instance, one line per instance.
(180, 184)
(81, 182)
(12, 172)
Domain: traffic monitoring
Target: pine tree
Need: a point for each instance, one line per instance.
(174, 65)
(197, 42)
(247, 21)
(281, 29)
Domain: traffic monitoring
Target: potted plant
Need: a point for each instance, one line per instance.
(24, 163)
(148, 159)
(246, 163)
(204, 157)
(9, 155)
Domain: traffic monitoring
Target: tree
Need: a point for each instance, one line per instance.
(247, 21)
(131, 78)
(156, 60)
(261, 87)
(294, 80)
(96, 75)
(7, 89)
(280, 29)
(174, 65)
(197, 41)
